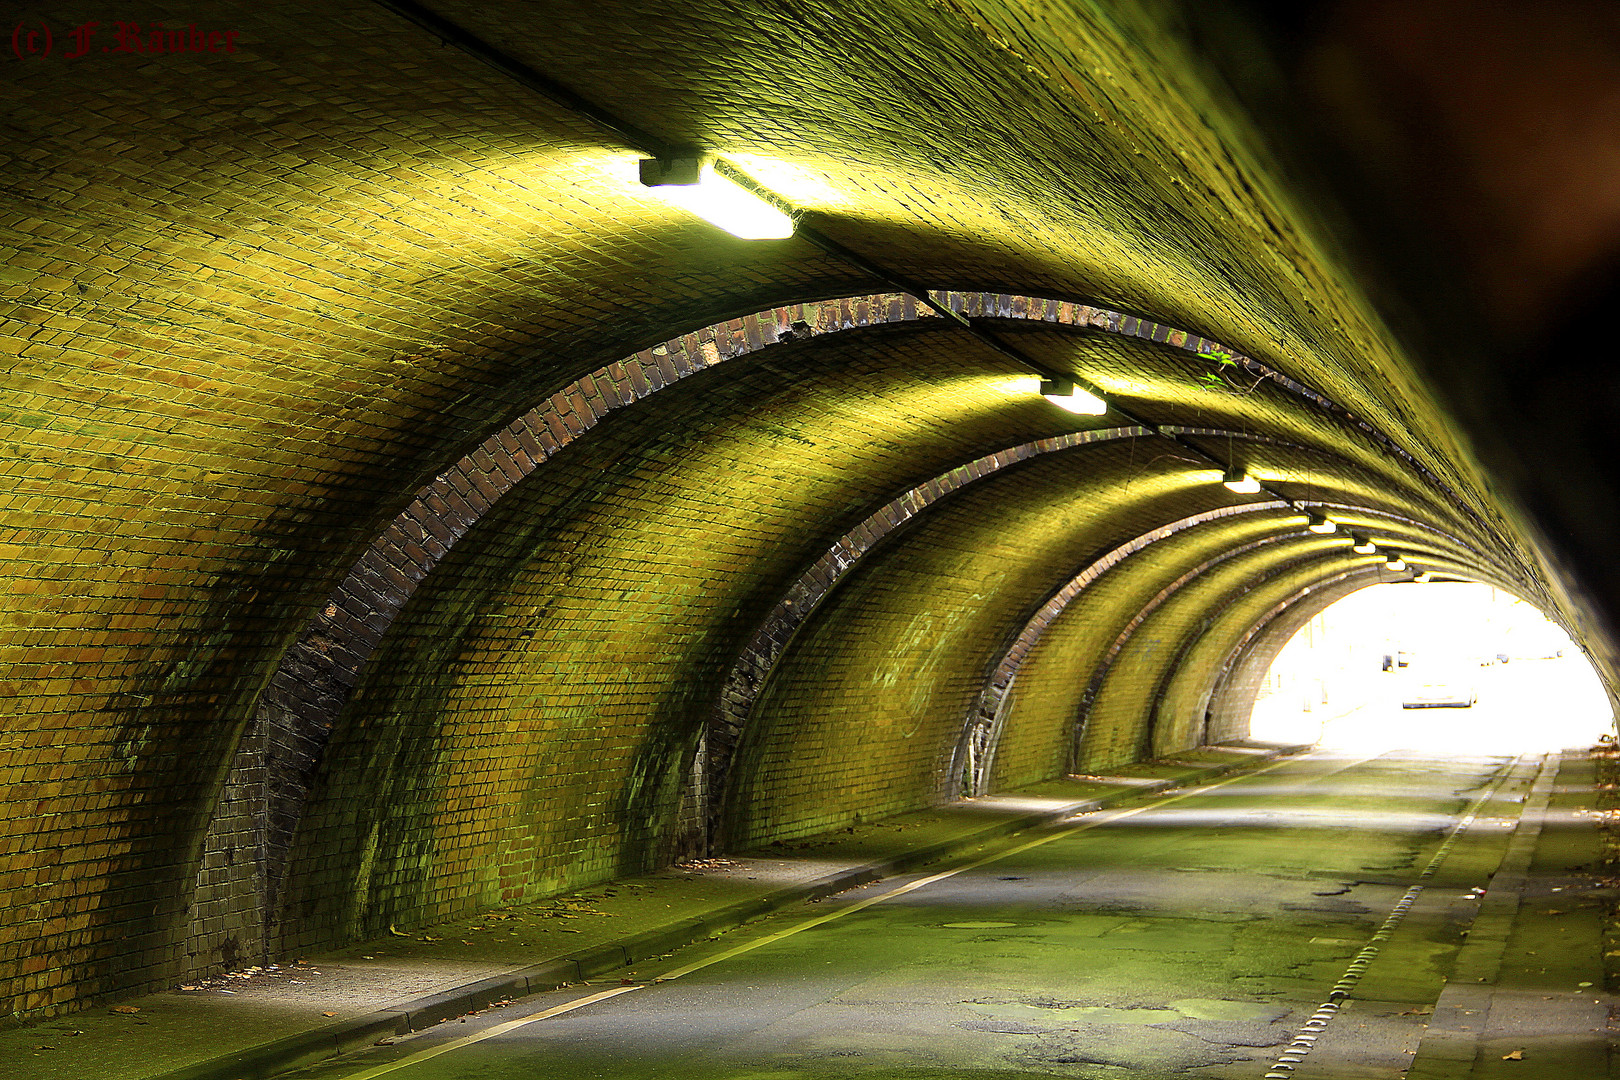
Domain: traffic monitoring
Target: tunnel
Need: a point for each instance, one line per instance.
(414, 510)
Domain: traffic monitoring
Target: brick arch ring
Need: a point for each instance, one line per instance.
(973, 758)
(702, 815)
(1234, 686)
(262, 795)
(1257, 628)
(1088, 697)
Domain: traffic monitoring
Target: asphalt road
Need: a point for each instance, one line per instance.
(1195, 937)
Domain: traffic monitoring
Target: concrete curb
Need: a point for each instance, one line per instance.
(295, 1051)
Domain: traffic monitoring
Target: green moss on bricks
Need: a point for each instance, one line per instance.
(528, 720)
(864, 711)
(1188, 689)
(1238, 685)
(1181, 627)
(1037, 737)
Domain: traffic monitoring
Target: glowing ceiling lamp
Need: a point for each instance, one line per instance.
(1322, 525)
(1425, 577)
(1394, 562)
(1363, 546)
(1241, 482)
(1066, 395)
(697, 186)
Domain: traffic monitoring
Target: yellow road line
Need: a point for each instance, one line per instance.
(490, 1033)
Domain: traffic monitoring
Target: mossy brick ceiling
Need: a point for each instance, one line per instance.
(1078, 149)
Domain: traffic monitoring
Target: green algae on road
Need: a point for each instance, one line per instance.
(1192, 935)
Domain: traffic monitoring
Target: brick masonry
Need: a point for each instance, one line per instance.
(982, 732)
(1238, 684)
(974, 764)
(996, 548)
(703, 805)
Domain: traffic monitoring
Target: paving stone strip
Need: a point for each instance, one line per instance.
(1457, 1043)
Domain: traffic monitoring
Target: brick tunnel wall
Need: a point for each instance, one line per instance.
(1053, 689)
(591, 619)
(894, 661)
(258, 302)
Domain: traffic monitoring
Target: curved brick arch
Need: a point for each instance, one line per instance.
(1408, 497)
(1101, 655)
(240, 352)
(261, 798)
(1231, 654)
(327, 659)
(1154, 733)
(1233, 693)
(702, 805)
(1171, 668)
(262, 795)
(981, 731)
(1337, 587)
(1080, 316)
(1232, 698)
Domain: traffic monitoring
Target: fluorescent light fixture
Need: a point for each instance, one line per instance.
(1394, 562)
(1363, 546)
(1320, 524)
(1241, 482)
(1065, 395)
(697, 187)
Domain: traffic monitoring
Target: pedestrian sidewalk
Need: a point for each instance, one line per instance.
(258, 1022)
(1529, 997)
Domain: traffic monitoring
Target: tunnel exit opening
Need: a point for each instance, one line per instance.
(1441, 667)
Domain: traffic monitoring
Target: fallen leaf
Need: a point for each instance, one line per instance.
(1517, 1055)
(328, 1014)
(125, 1009)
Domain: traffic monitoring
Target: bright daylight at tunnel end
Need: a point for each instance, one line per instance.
(760, 539)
